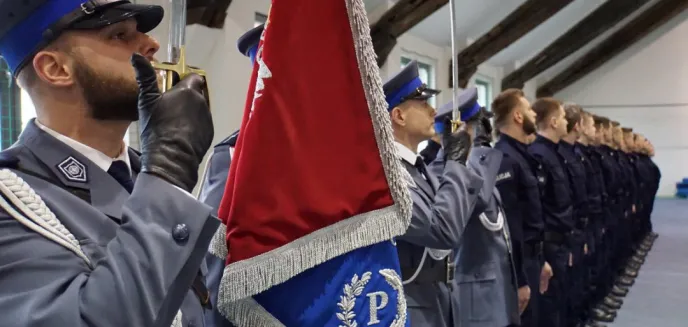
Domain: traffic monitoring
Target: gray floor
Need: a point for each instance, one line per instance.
(659, 297)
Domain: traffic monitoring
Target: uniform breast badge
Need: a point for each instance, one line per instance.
(73, 170)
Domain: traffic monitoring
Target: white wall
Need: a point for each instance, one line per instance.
(645, 88)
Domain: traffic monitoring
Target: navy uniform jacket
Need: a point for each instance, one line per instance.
(597, 156)
(593, 187)
(144, 250)
(577, 178)
(611, 182)
(557, 205)
(441, 210)
(518, 186)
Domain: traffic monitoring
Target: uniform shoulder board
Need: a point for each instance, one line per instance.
(229, 140)
(10, 158)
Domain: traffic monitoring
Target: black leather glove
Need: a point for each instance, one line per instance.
(176, 127)
(482, 128)
(456, 145)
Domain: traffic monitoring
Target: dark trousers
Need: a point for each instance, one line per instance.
(577, 283)
(553, 304)
(533, 268)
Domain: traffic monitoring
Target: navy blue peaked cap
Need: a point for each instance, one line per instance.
(248, 43)
(28, 26)
(406, 85)
(468, 107)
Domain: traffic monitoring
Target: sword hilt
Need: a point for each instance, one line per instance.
(176, 72)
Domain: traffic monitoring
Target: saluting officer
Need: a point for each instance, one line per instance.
(485, 273)
(440, 209)
(94, 233)
(557, 209)
(518, 184)
(214, 180)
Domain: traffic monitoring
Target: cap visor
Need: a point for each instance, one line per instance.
(147, 16)
(426, 94)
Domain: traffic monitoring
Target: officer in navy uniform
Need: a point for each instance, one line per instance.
(485, 274)
(94, 233)
(440, 209)
(602, 154)
(518, 183)
(215, 178)
(577, 176)
(557, 209)
(596, 224)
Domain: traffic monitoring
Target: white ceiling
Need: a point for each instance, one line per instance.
(476, 17)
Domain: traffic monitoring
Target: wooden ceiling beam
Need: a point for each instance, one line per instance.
(589, 28)
(210, 13)
(404, 15)
(517, 24)
(641, 26)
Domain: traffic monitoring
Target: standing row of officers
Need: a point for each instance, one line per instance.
(548, 227)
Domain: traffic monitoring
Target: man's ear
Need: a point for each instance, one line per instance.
(53, 68)
(398, 116)
(518, 116)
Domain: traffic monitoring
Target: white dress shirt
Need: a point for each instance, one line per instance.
(102, 160)
(406, 154)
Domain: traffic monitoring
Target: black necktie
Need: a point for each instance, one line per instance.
(120, 172)
(420, 165)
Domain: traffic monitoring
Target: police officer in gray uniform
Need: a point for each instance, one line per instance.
(215, 178)
(485, 273)
(440, 209)
(93, 233)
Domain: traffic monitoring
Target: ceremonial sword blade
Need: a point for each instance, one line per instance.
(456, 115)
(177, 35)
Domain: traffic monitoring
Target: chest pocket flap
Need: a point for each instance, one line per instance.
(485, 272)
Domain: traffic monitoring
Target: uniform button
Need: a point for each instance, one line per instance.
(180, 233)
(483, 157)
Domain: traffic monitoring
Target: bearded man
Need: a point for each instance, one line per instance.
(518, 183)
(93, 233)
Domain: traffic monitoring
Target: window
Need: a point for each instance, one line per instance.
(10, 121)
(260, 19)
(484, 92)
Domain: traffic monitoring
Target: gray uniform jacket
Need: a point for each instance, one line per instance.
(212, 189)
(485, 275)
(440, 214)
(144, 250)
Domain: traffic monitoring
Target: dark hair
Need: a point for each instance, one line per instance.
(574, 114)
(545, 108)
(504, 104)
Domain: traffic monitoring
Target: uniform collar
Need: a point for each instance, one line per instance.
(566, 145)
(405, 153)
(541, 139)
(101, 160)
(514, 142)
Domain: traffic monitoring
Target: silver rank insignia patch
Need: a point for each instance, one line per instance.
(73, 170)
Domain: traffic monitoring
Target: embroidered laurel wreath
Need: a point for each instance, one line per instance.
(348, 300)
